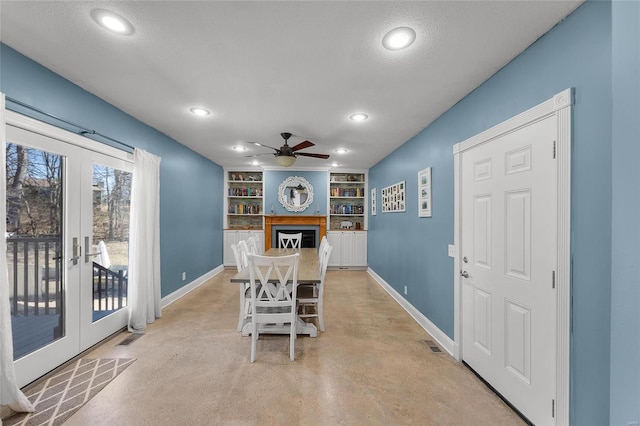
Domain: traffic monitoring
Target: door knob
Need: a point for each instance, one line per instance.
(464, 274)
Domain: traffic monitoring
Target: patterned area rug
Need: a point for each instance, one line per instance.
(59, 396)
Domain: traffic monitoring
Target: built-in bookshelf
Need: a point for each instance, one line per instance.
(347, 200)
(244, 200)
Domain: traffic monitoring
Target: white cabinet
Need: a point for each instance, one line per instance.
(232, 237)
(349, 249)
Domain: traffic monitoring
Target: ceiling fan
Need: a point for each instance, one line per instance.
(286, 155)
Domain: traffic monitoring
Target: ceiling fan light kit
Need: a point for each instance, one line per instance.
(286, 155)
(285, 160)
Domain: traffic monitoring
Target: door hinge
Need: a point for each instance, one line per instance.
(553, 279)
(553, 408)
(554, 150)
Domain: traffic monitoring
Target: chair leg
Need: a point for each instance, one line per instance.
(242, 307)
(319, 309)
(254, 340)
(292, 341)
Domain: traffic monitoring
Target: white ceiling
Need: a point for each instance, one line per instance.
(268, 67)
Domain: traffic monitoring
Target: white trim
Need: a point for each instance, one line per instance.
(457, 226)
(560, 101)
(182, 291)
(437, 334)
(560, 105)
(563, 278)
(40, 127)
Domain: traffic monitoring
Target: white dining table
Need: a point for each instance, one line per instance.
(308, 273)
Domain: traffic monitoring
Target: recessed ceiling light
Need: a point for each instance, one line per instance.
(199, 111)
(334, 164)
(399, 38)
(112, 21)
(358, 116)
(239, 148)
(255, 163)
(341, 151)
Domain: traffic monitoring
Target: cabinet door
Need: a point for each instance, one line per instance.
(335, 241)
(347, 248)
(230, 237)
(360, 249)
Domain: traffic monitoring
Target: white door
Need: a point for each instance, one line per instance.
(106, 202)
(61, 303)
(509, 257)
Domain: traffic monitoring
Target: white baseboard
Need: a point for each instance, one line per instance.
(443, 340)
(170, 298)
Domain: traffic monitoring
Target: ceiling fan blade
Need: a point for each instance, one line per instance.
(266, 146)
(306, 154)
(302, 145)
(257, 155)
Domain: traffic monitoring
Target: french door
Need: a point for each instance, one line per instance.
(67, 243)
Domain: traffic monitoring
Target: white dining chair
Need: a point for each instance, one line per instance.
(244, 310)
(259, 244)
(243, 249)
(323, 242)
(274, 285)
(289, 240)
(251, 244)
(312, 295)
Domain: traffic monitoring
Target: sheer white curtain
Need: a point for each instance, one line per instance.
(10, 394)
(144, 250)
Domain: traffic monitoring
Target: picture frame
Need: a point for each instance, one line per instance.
(373, 202)
(424, 193)
(393, 198)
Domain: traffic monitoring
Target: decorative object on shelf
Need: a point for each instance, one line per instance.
(424, 192)
(286, 155)
(295, 194)
(373, 202)
(346, 224)
(393, 198)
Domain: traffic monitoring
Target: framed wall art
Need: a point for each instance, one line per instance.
(393, 198)
(373, 202)
(424, 192)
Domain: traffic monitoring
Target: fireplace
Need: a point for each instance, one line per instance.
(288, 223)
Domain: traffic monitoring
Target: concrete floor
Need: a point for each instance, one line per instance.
(371, 366)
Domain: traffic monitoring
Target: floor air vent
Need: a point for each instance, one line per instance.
(434, 348)
(130, 339)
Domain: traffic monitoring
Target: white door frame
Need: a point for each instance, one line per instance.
(561, 106)
(25, 372)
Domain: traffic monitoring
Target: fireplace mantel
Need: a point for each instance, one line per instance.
(270, 220)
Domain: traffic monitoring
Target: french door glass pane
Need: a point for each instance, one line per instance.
(34, 247)
(111, 205)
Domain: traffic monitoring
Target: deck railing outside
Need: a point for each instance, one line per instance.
(36, 291)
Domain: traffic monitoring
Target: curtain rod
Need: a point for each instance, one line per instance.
(83, 131)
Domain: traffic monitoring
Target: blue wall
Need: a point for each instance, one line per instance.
(190, 185)
(576, 53)
(317, 179)
(625, 291)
